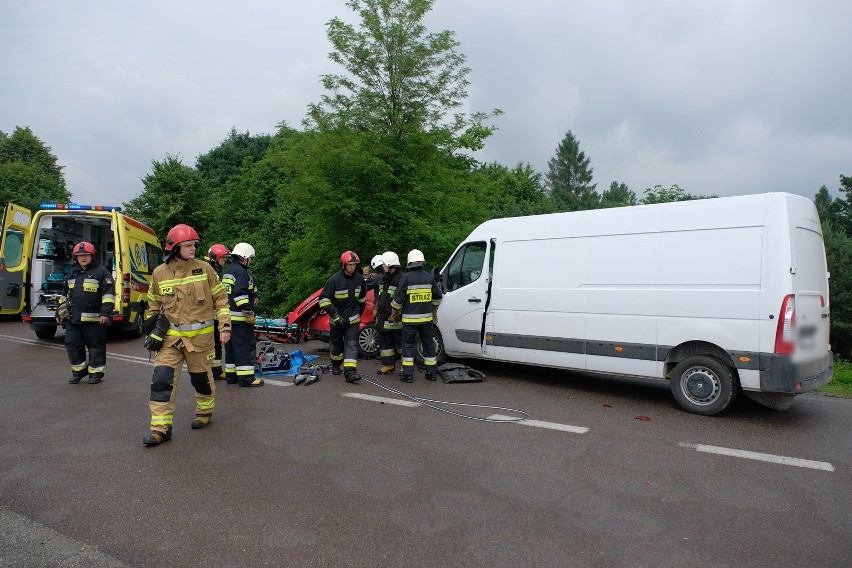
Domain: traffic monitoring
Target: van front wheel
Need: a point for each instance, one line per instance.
(703, 385)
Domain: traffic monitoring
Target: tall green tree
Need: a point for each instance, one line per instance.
(569, 177)
(172, 194)
(618, 195)
(29, 172)
(399, 77)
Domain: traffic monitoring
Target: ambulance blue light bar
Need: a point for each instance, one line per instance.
(76, 207)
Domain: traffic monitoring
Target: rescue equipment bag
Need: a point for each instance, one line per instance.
(457, 373)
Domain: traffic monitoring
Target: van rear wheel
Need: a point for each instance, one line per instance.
(45, 332)
(703, 385)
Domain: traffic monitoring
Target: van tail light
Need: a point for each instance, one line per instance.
(125, 288)
(821, 301)
(786, 326)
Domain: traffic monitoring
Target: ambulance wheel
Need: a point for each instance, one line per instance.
(703, 385)
(368, 341)
(135, 330)
(45, 332)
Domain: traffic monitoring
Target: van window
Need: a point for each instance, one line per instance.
(155, 256)
(14, 247)
(466, 266)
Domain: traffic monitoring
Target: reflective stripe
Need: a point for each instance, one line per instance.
(355, 319)
(244, 370)
(217, 288)
(90, 317)
(204, 404)
(393, 326)
(154, 297)
(96, 369)
(336, 357)
(396, 306)
(240, 300)
(350, 363)
(108, 297)
(79, 367)
(408, 361)
(164, 420)
(181, 281)
(417, 318)
(191, 330)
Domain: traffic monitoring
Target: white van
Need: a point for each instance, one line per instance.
(716, 295)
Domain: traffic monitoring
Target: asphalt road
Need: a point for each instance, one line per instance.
(610, 472)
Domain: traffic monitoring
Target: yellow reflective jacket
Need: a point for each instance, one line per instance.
(191, 296)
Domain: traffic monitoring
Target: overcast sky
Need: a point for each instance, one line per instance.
(718, 96)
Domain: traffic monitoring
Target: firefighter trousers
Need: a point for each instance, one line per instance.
(167, 370)
(427, 342)
(390, 345)
(79, 336)
(240, 354)
(217, 353)
(343, 347)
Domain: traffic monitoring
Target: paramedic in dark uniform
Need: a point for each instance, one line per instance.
(218, 255)
(90, 300)
(240, 352)
(415, 303)
(390, 334)
(343, 297)
(184, 298)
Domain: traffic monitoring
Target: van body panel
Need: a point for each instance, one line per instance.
(636, 290)
(14, 258)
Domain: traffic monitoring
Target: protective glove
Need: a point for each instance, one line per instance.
(250, 317)
(336, 320)
(62, 313)
(150, 323)
(395, 317)
(154, 341)
(435, 314)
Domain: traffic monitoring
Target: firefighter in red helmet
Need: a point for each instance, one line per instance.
(89, 294)
(218, 256)
(185, 297)
(343, 298)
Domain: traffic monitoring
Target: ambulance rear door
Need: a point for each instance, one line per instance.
(15, 252)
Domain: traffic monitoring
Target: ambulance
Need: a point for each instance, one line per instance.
(35, 258)
(719, 297)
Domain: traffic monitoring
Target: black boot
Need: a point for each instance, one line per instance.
(351, 376)
(201, 421)
(407, 378)
(430, 377)
(155, 438)
(335, 370)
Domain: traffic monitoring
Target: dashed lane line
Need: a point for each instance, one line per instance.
(541, 424)
(383, 399)
(783, 460)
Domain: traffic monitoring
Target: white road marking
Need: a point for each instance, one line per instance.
(541, 424)
(783, 460)
(371, 398)
(275, 382)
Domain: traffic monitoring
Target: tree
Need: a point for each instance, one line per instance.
(660, 194)
(569, 177)
(171, 196)
(399, 77)
(29, 173)
(618, 195)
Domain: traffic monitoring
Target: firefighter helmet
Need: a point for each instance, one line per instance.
(349, 257)
(243, 250)
(178, 235)
(377, 261)
(84, 248)
(218, 251)
(391, 259)
(415, 258)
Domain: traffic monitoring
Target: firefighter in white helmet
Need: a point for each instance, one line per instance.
(240, 352)
(415, 303)
(390, 333)
(377, 264)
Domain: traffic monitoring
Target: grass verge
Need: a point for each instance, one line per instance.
(841, 381)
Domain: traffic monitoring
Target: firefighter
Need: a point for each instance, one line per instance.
(87, 305)
(343, 297)
(415, 303)
(375, 279)
(185, 296)
(218, 255)
(390, 334)
(240, 352)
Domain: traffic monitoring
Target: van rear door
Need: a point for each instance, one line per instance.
(14, 258)
(810, 286)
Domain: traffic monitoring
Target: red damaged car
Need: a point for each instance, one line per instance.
(308, 315)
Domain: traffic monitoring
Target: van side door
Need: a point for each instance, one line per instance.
(462, 310)
(14, 258)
